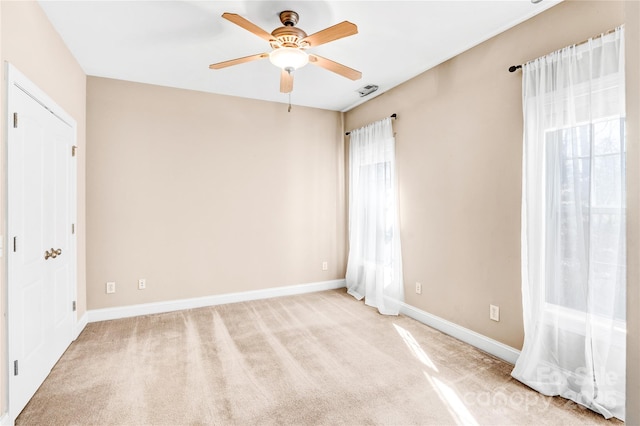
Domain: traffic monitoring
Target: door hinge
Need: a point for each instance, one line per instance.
(15, 243)
(15, 367)
(73, 228)
(73, 150)
(15, 120)
(73, 305)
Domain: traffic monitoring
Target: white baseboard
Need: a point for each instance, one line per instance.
(5, 420)
(484, 343)
(105, 314)
(81, 324)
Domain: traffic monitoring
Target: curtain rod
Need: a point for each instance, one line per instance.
(512, 68)
(394, 116)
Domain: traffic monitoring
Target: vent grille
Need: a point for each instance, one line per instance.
(367, 90)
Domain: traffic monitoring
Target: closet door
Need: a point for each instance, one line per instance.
(41, 252)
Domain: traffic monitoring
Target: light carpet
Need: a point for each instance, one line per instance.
(320, 358)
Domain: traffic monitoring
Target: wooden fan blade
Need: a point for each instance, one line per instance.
(286, 82)
(238, 61)
(339, 69)
(247, 25)
(338, 31)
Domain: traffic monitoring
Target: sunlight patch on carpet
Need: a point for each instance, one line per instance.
(415, 348)
(455, 405)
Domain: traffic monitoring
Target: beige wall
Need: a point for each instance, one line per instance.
(31, 44)
(459, 154)
(632, 39)
(204, 194)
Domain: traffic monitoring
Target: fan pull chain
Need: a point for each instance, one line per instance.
(289, 110)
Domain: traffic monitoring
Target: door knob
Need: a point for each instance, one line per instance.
(53, 253)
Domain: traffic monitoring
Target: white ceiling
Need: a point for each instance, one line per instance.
(172, 43)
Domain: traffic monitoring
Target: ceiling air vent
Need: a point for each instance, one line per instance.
(367, 90)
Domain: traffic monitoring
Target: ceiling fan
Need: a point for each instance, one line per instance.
(289, 44)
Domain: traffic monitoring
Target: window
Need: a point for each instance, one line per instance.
(584, 167)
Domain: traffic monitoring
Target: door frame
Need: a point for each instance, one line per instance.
(18, 81)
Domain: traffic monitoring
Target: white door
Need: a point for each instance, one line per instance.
(41, 249)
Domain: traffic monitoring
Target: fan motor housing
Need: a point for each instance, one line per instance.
(289, 37)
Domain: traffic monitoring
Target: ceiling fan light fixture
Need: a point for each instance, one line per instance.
(289, 58)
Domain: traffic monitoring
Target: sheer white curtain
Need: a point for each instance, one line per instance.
(374, 266)
(573, 225)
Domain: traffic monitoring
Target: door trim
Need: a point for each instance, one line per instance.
(18, 81)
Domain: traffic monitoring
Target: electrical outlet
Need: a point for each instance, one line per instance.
(111, 287)
(142, 284)
(494, 312)
(325, 266)
(418, 288)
